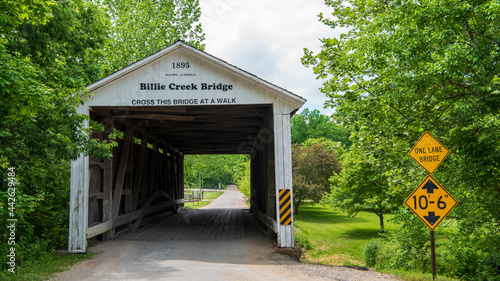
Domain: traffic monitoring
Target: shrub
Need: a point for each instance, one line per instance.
(371, 253)
(303, 241)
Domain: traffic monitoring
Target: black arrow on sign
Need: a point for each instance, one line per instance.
(432, 218)
(430, 186)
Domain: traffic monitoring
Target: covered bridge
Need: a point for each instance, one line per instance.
(176, 102)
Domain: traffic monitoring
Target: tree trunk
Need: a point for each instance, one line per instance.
(381, 217)
(296, 207)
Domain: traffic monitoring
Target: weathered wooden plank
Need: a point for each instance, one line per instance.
(200, 224)
(107, 181)
(129, 178)
(225, 231)
(279, 172)
(171, 232)
(211, 232)
(287, 167)
(234, 234)
(139, 172)
(143, 193)
(126, 218)
(147, 220)
(271, 187)
(195, 232)
(122, 168)
(77, 242)
(95, 162)
(152, 170)
(177, 166)
(180, 189)
(145, 205)
(265, 219)
(100, 195)
(94, 187)
(171, 163)
(127, 191)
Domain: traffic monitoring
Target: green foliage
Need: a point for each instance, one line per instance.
(314, 125)
(362, 185)
(405, 67)
(43, 267)
(469, 264)
(312, 166)
(17, 12)
(214, 169)
(143, 27)
(242, 176)
(371, 252)
(334, 237)
(44, 61)
(409, 244)
(224, 169)
(49, 50)
(332, 146)
(303, 242)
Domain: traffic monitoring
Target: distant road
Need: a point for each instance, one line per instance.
(231, 199)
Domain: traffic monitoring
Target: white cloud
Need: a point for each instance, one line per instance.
(267, 38)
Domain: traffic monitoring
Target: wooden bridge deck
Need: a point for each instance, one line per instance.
(201, 224)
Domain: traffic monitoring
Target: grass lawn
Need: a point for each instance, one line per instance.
(334, 237)
(212, 194)
(44, 267)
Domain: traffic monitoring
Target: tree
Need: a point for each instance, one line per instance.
(48, 51)
(405, 67)
(142, 27)
(362, 186)
(214, 169)
(312, 166)
(313, 124)
(241, 175)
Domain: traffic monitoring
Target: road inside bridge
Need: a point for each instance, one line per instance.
(154, 253)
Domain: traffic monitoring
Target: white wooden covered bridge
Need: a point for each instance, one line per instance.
(176, 102)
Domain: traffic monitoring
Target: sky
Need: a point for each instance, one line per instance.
(267, 38)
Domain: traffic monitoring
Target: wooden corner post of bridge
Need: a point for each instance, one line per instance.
(283, 162)
(430, 201)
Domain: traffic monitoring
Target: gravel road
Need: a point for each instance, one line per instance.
(215, 259)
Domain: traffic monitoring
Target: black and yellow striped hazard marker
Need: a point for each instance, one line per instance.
(285, 207)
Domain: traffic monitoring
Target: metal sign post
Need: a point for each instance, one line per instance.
(433, 254)
(430, 202)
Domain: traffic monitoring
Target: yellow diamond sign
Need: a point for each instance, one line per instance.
(428, 152)
(431, 202)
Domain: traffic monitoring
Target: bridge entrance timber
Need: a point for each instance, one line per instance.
(176, 102)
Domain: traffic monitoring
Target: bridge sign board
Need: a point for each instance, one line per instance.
(431, 202)
(428, 152)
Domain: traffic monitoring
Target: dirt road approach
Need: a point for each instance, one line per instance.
(211, 259)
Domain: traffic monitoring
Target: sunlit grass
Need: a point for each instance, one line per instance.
(44, 267)
(212, 194)
(334, 237)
